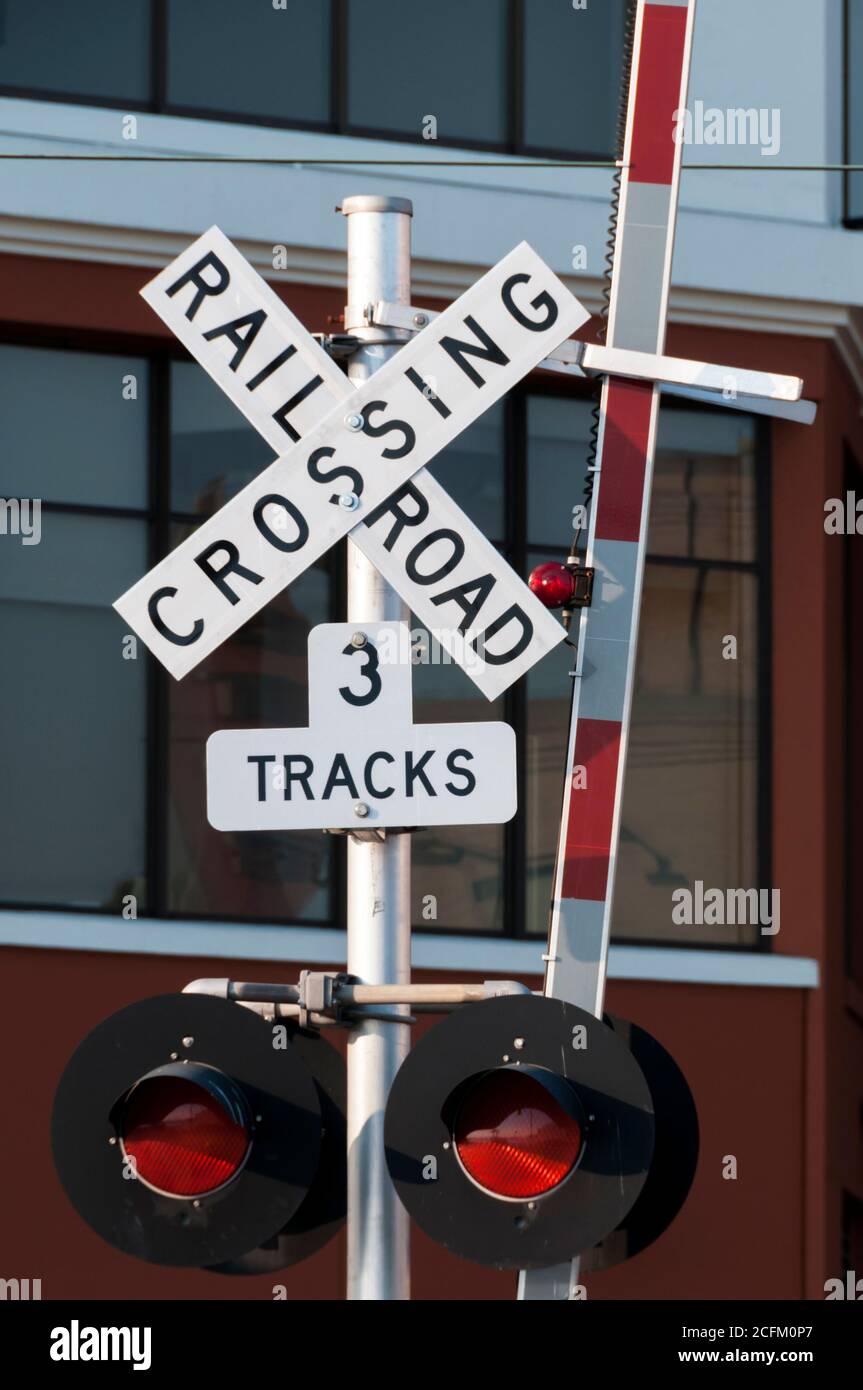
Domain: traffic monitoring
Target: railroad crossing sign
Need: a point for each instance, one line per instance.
(361, 763)
(361, 465)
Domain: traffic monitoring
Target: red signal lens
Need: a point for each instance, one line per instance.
(513, 1137)
(185, 1138)
(553, 584)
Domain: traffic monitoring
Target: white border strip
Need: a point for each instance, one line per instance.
(495, 956)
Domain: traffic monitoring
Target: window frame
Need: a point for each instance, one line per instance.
(515, 544)
(853, 223)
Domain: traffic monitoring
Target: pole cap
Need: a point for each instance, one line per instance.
(375, 202)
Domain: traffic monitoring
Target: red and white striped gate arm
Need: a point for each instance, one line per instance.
(617, 539)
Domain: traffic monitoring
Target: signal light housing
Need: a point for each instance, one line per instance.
(140, 1136)
(454, 1110)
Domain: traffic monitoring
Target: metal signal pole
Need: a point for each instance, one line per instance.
(379, 922)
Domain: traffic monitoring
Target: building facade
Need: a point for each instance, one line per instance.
(745, 762)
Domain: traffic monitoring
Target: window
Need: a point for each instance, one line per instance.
(519, 76)
(235, 59)
(854, 110)
(693, 792)
(448, 62)
(106, 766)
(93, 48)
(74, 712)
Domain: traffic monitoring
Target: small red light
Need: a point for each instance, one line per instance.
(513, 1137)
(182, 1136)
(553, 584)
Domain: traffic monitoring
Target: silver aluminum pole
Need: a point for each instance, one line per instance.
(379, 930)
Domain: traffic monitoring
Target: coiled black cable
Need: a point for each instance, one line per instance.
(605, 306)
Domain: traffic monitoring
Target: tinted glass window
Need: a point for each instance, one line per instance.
(73, 708)
(214, 449)
(471, 470)
(253, 60)
(99, 788)
(558, 439)
(703, 501)
(257, 679)
(458, 871)
(75, 426)
(445, 60)
(690, 802)
(572, 71)
(96, 48)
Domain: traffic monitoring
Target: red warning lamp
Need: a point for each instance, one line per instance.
(553, 584)
(186, 1129)
(513, 1137)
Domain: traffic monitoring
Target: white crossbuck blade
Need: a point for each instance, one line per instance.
(359, 457)
(361, 763)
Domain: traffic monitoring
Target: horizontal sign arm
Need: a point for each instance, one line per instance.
(764, 393)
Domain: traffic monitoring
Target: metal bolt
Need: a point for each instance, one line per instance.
(112, 1140)
(174, 1056)
(358, 639)
(187, 1042)
(506, 1057)
(349, 501)
(518, 1043)
(354, 421)
(258, 1119)
(420, 320)
(360, 809)
(531, 1206)
(196, 1203)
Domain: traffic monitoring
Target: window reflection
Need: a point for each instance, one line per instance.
(457, 880)
(445, 60)
(257, 679)
(256, 60)
(215, 452)
(576, 51)
(89, 446)
(74, 715)
(690, 800)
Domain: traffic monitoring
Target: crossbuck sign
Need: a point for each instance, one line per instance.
(357, 462)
